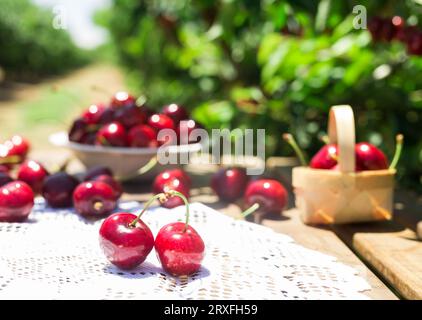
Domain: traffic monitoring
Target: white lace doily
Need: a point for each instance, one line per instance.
(56, 255)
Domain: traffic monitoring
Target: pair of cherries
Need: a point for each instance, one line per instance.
(128, 122)
(127, 241)
(262, 195)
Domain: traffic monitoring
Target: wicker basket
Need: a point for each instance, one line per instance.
(343, 196)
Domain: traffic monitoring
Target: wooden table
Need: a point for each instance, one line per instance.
(386, 254)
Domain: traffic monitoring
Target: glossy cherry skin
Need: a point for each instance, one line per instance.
(161, 121)
(142, 136)
(114, 184)
(180, 252)
(5, 178)
(176, 185)
(121, 99)
(229, 183)
(93, 114)
(16, 201)
(184, 130)
(18, 146)
(166, 176)
(175, 112)
(124, 246)
(107, 116)
(94, 198)
(58, 189)
(112, 134)
(325, 158)
(369, 157)
(33, 173)
(269, 194)
(130, 115)
(97, 171)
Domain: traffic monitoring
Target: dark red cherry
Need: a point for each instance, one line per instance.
(414, 44)
(89, 138)
(97, 171)
(126, 246)
(166, 176)
(176, 185)
(369, 157)
(175, 112)
(116, 186)
(269, 194)
(58, 189)
(94, 198)
(107, 116)
(121, 99)
(5, 178)
(130, 115)
(78, 130)
(375, 26)
(16, 201)
(184, 130)
(325, 158)
(406, 33)
(93, 114)
(33, 173)
(142, 136)
(112, 134)
(229, 183)
(180, 249)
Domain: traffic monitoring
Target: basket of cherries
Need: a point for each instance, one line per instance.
(128, 129)
(345, 182)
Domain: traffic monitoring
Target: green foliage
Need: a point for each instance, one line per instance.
(29, 45)
(277, 65)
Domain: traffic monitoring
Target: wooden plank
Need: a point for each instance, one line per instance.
(391, 247)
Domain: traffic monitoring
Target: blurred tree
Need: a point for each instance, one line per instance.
(277, 65)
(29, 45)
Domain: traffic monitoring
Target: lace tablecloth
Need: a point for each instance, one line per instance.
(55, 255)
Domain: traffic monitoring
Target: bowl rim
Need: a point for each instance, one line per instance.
(60, 139)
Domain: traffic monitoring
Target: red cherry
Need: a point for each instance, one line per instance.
(114, 184)
(176, 185)
(121, 99)
(375, 26)
(166, 176)
(78, 130)
(175, 112)
(93, 114)
(16, 201)
(414, 44)
(94, 198)
(369, 157)
(406, 33)
(58, 189)
(18, 146)
(97, 171)
(107, 116)
(33, 173)
(229, 184)
(142, 136)
(180, 249)
(5, 178)
(130, 115)
(325, 158)
(269, 194)
(184, 130)
(124, 245)
(112, 134)
(161, 121)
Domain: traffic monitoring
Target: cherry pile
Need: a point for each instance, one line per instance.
(127, 122)
(395, 28)
(127, 241)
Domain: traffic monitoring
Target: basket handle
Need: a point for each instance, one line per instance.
(341, 130)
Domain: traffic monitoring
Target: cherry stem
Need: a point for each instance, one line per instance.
(250, 210)
(291, 140)
(397, 153)
(163, 197)
(325, 139)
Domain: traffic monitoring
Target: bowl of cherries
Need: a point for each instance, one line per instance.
(124, 136)
(345, 181)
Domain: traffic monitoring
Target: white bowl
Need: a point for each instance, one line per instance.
(126, 163)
